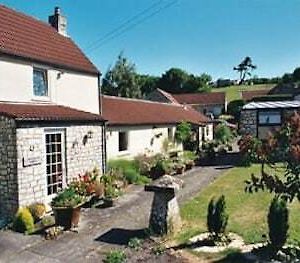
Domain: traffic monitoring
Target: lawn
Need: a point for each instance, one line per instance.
(234, 92)
(247, 212)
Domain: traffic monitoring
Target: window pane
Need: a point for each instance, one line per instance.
(271, 117)
(123, 141)
(40, 85)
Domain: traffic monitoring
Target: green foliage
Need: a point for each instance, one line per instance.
(116, 256)
(158, 249)
(68, 198)
(223, 134)
(217, 218)
(147, 83)
(122, 164)
(296, 74)
(278, 218)
(37, 210)
(234, 108)
(189, 155)
(131, 176)
(281, 146)
(135, 243)
(23, 221)
(176, 80)
(121, 79)
(129, 170)
(183, 132)
(209, 149)
(244, 68)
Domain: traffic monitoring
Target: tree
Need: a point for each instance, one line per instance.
(234, 108)
(173, 80)
(280, 152)
(223, 134)
(147, 84)
(296, 74)
(121, 80)
(176, 80)
(244, 69)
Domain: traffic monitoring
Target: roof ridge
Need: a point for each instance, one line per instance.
(144, 101)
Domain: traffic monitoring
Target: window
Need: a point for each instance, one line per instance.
(54, 162)
(269, 117)
(123, 141)
(40, 82)
(170, 134)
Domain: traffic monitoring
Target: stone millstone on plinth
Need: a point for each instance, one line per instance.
(165, 217)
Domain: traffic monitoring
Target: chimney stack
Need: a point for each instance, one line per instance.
(58, 21)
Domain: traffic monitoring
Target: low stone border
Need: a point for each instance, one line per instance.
(237, 242)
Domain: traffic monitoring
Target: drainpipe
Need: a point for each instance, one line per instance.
(103, 133)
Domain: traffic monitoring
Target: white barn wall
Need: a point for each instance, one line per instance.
(76, 90)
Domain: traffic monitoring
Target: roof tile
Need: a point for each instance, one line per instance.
(124, 111)
(31, 39)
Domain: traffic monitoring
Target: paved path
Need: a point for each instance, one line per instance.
(100, 229)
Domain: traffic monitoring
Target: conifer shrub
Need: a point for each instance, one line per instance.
(278, 218)
(217, 218)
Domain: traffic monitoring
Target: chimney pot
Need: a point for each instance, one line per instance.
(57, 10)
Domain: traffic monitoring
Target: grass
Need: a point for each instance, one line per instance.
(234, 92)
(247, 212)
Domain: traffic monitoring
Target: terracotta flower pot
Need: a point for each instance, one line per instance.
(67, 217)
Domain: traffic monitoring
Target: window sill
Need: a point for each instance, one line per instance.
(41, 99)
(123, 153)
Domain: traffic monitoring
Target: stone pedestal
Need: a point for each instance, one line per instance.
(165, 217)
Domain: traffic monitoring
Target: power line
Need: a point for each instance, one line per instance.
(126, 22)
(117, 34)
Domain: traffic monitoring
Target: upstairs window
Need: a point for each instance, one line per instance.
(269, 117)
(40, 82)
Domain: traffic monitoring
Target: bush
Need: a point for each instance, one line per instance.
(23, 221)
(122, 164)
(131, 175)
(278, 217)
(116, 256)
(37, 210)
(217, 218)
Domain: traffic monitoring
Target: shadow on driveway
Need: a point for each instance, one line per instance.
(119, 236)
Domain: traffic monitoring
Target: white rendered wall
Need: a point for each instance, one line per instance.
(141, 139)
(76, 90)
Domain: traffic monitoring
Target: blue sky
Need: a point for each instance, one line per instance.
(196, 35)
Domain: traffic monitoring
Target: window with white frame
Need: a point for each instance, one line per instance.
(123, 141)
(40, 82)
(54, 162)
(170, 134)
(269, 117)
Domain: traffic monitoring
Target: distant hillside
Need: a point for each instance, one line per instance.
(234, 92)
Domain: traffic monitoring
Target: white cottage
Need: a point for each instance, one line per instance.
(140, 126)
(50, 124)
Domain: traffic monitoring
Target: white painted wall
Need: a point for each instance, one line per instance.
(141, 139)
(76, 90)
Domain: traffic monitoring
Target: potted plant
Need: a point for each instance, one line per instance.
(111, 192)
(179, 167)
(66, 206)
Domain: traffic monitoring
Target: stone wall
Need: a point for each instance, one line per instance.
(8, 169)
(83, 152)
(248, 122)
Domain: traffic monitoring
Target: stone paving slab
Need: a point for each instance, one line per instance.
(100, 229)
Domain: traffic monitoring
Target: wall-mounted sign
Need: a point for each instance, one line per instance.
(31, 161)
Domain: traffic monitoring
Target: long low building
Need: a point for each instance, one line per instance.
(140, 126)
